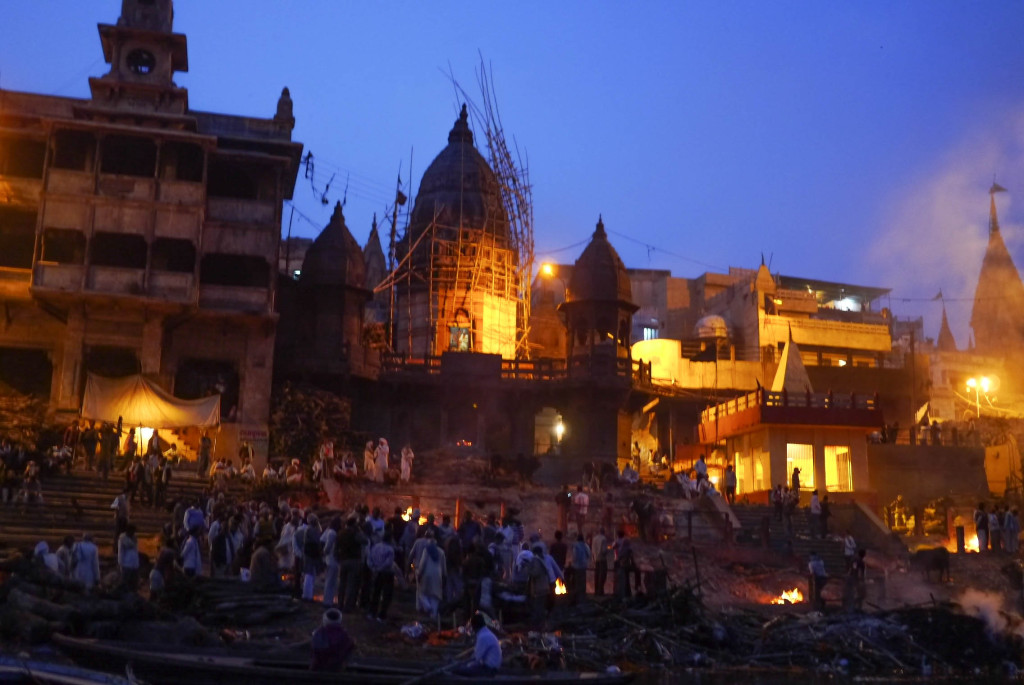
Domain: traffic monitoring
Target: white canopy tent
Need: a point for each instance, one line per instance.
(141, 402)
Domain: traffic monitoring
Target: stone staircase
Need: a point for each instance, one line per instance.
(799, 544)
(80, 502)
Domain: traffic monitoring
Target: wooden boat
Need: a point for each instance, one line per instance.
(159, 666)
(28, 671)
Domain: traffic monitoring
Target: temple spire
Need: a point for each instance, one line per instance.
(946, 341)
(993, 218)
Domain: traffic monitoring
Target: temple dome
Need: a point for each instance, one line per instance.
(335, 257)
(711, 327)
(599, 273)
(459, 189)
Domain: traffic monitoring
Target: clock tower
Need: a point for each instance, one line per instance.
(143, 53)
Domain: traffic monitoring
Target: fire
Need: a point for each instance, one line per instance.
(793, 596)
(559, 587)
(407, 516)
(970, 544)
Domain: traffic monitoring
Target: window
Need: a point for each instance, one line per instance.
(63, 246)
(22, 158)
(17, 238)
(172, 254)
(118, 250)
(650, 333)
(237, 270)
(801, 457)
(128, 156)
(141, 61)
(838, 468)
(74, 150)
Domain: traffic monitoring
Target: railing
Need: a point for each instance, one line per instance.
(56, 276)
(523, 369)
(808, 400)
(538, 369)
(234, 297)
(237, 210)
(117, 280)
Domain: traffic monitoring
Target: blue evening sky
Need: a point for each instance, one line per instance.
(851, 141)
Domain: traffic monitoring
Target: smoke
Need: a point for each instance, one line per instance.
(988, 606)
(936, 226)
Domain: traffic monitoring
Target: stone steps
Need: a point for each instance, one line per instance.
(80, 502)
(799, 543)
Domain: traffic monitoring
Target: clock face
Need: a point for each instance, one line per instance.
(140, 62)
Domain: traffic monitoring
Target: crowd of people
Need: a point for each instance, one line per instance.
(998, 528)
(354, 560)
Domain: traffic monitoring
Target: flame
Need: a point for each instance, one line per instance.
(407, 516)
(793, 596)
(970, 544)
(559, 587)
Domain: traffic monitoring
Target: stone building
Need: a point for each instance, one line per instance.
(138, 235)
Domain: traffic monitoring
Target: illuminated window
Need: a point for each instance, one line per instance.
(801, 457)
(838, 469)
(650, 333)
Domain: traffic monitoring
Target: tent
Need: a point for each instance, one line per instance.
(141, 402)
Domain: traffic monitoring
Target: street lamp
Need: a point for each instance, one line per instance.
(550, 271)
(978, 385)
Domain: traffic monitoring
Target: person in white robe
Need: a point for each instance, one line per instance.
(407, 457)
(369, 464)
(381, 469)
(87, 562)
(430, 577)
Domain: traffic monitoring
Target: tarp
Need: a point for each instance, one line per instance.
(141, 402)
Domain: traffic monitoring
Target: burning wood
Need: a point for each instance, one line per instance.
(559, 587)
(793, 596)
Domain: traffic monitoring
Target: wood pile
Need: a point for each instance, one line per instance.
(303, 416)
(678, 631)
(23, 420)
(35, 603)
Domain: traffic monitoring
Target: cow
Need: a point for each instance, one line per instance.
(928, 559)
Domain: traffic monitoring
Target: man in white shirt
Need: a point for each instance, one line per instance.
(191, 556)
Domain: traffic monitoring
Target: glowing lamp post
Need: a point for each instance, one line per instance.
(979, 386)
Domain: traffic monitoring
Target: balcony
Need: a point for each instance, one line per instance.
(127, 187)
(234, 298)
(252, 241)
(234, 210)
(54, 276)
(20, 191)
(182, 192)
(171, 285)
(68, 182)
(115, 280)
(782, 408)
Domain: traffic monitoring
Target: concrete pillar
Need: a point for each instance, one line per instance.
(152, 345)
(819, 460)
(255, 376)
(777, 456)
(70, 367)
